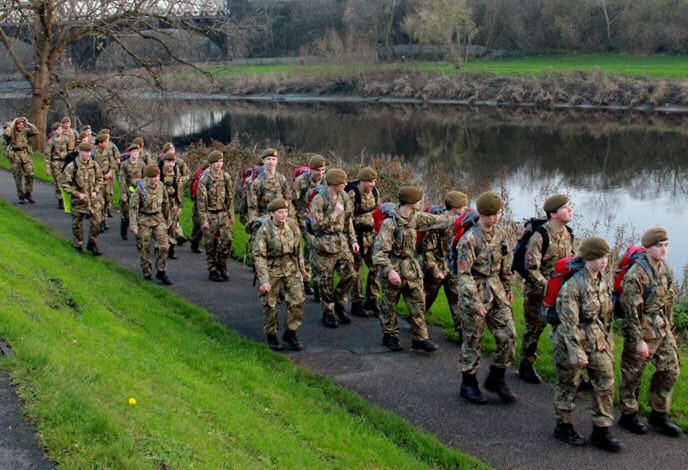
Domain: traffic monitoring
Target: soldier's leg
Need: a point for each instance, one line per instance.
(124, 223)
(534, 326)
(431, 289)
(145, 235)
(451, 290)
(77, 228)
(196, 231)
(665, 359)
(309, 257)
(159, 234)
(224, 246)
(632, 368)
(372, 286)
(324, 266)
(601, 373)
(211, 243)
(294, 297)
(269, 301)
(55, 170)
(356, 288)
(94, 229)
(568, 379)
(414, 296)
(388, 308)
(27, 168)
(17, 173)
(472, 326)
(500, 321)
(345, 268)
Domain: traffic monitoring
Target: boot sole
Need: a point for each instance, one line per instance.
(504, 398)
(570, 442)
(473, 401)
(606, 448)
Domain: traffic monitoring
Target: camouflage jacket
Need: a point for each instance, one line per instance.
(172, 179)
(303, 186)
(484, 268)
(183, 170)
(434, 251)
(214, 194)
(334, 233)
(86, 179)
(276, 251)
(584, 306)
(56, 149)
(363, 217)
(106, 160)
(263, 190)
(149, 206)
(19, 141)
(72, 135)
(130, 174)
(648, 315)
(395, 245)
(540, 266)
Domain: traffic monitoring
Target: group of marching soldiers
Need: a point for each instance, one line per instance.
(322, 224)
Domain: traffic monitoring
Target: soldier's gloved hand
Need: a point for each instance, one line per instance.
(643, 350)
(394, 278)
(135, 231)
(355, 247)
(265, 288)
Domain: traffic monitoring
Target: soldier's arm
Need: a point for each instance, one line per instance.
(185, 171)
(202, 199)
(426, 221)
(533, 257)
(383, 246)
(286, 195)
(296, 193)
(430, 261)
(31, 130)
(633, 287)
(349, 221)
(505, 274)
(166, 208)
(67, 181)
(229, 195)
(297, 247)
(252, 199)
(468, 290)
(99, 179)
(134, 210)
(319, 220)
(568, 310)
(48, 153)
(259, 251)
(122, 180)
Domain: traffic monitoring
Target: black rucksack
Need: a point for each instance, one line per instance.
(352, 185)
(531, 226)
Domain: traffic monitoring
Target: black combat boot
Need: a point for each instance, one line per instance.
(495, 383)
(274, 343)
(424, 345)
(662, 423)
(182, 240)
(21, 199)
(29, 198)
(371, 307)
(60, 204)
(109, 213)
(470, 390)
(170, 253)
(329, 321)
(93, 248)
(339, 310)
(585, 385)
(291, 340)
(391, 342)
(194, 247)
(162, 277)
(631, 422)
(307, 288)
(79, 250)
(527, 372)
(602, 438)
(102, 227)
(148, 277)
(565, 432)
(357, 309)
(123, 230)
(223, 274)
(316, 293)
(214, 276)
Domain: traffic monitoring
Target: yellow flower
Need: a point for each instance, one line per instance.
(132, 401)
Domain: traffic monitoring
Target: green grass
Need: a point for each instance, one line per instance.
(88, 335)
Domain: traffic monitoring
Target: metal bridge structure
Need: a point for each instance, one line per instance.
(198, 15)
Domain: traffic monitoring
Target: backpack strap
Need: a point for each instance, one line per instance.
(545, 238)
(650, 291)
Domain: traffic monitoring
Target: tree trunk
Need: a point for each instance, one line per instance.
(40, 104)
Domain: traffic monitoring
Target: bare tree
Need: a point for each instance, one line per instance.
(613, 10)
(445, 23)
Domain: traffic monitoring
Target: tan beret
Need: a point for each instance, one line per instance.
(85, 146)
(214, 156)
(593, 248)
(489, 203)
(66, 119)
(270, 152)
(409, 195)
(56, 125)
(167, 146)
(316, 161)
(335, 176)
(134, 147)
(277, 204)
(455, 200)
(87, 126)
(102, 138)
(152, 171)
(553, 203)
(367, 174)
(654, 236)
(168, 157)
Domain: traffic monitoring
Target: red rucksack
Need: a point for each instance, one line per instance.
(193, 187)
(301, 170)
(564, 269)
(243, 183)
(380, 213)
(634, 255)
(461, 225)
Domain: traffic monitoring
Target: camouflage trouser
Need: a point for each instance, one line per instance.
(601, 372)
(218, 241)
(415, 301)
(159, 234)
(124, 207)
(372, 287)
(173, 221)
(78, 225)
(108, 190)
(325, 265)
(56, 171)
(534, 326)
(451, 291)
(22, 170)
(197, 230)
(500, 321)
(664, 356)
(308, 251)
(293, 291)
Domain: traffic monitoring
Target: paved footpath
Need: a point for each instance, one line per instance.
(421, 387)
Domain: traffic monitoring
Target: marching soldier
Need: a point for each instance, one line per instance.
(304, 185)
(83, 180)
(333, 241)
(130, 174)
(197, 229)
(70, 133)
(399, 272)
(216, 211)
(647, 298)
(183, 171)
(105, 158)
(485, 297)
(434, 251)
(539, 264)
(56, 149)
(269, 184)
(364, 198)
(278, 261)
(171, 178)
(147, 157)
(583, 341)
(19, 152)
(148, 213)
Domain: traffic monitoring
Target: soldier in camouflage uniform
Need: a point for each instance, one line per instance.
(183, 170)
(216, 211)
(54, 155)
(303, 188)
(364, 198)
(70, 133)
(105, 158)
(539, 265)
(333, 241)
(269, 184)
(171, 177)
(648, 336)
(484, 271)
(278, 261)
(147, 157)
(582, 340)
(197, 229)
(83, 180)
(86, 135)
(399, 272)
(19, 152)
(148, 213)
(434, 251)
(131, 172)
